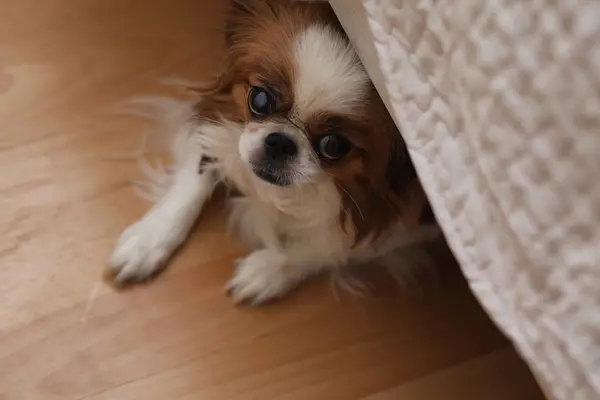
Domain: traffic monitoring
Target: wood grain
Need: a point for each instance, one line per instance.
(65, 335)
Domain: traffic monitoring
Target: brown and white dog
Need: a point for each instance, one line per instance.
(294, 124)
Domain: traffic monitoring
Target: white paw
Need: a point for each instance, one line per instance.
(142, 250)
(260, 277)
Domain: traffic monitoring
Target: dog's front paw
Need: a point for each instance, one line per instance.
(141, 251)
(260, 277)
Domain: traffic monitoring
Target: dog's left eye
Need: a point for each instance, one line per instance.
(334, 147)
(260, 102)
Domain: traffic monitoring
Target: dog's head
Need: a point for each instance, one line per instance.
(309, 111)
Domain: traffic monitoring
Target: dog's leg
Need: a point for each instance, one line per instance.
(270, 273)
(144, 247)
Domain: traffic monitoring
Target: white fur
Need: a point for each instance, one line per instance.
(145, 246)
(330, 77)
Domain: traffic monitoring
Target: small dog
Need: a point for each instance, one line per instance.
(295, 126)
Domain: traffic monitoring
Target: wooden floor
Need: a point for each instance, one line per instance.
(66, 335)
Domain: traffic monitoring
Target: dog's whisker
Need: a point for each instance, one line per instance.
(362, 216)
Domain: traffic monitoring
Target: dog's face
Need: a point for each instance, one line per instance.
(308, 111)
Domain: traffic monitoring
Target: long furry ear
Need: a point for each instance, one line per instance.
(244, 19)
(217, 96)
(387, 189)
(399, 170)
(244, 15)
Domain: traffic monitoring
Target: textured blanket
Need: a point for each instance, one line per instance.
(499, 102)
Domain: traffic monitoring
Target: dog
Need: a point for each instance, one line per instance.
(295, 128)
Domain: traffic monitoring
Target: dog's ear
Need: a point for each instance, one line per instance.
(251, 6)
(244, 15)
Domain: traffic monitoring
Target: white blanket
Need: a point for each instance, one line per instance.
(498, 101)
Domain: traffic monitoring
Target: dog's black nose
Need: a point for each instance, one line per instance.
(279, 147)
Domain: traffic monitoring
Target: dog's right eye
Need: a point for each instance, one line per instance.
(260, 102)
(334, 147)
